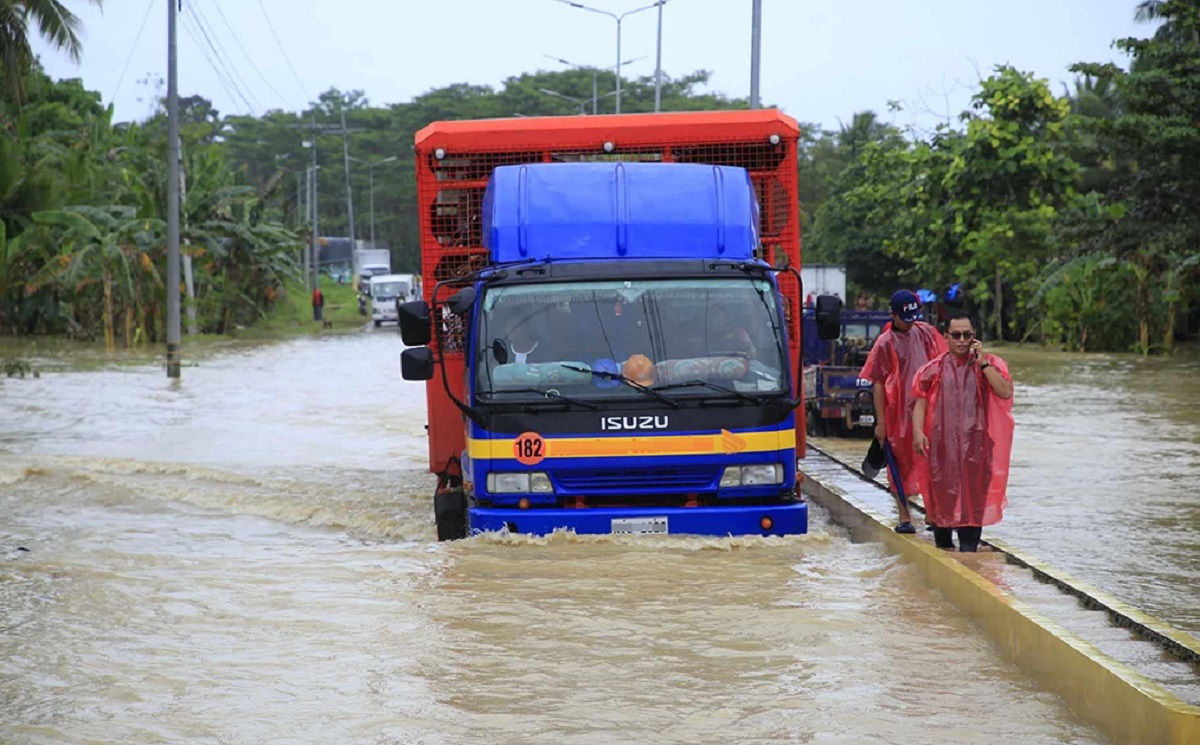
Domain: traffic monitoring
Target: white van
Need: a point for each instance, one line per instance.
(385, 291)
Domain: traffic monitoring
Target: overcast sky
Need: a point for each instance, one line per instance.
(822, 60)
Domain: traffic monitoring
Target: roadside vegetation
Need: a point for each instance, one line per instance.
(1073, 220)
(1071, 217)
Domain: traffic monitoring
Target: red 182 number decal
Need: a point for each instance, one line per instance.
(529, 449)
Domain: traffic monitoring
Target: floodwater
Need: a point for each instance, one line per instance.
(1106, 463)
(248, 557)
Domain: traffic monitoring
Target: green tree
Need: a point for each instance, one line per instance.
(54, 21)
(1156, 231)
(981, 202)
(108, 247)
(855, 223)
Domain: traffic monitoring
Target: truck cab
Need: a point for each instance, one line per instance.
(839, 402)
(627, 366)
(384, 291)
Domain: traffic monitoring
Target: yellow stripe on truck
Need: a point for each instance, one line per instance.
(610, 447)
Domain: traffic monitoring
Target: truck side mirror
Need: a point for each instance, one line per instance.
(829, 317)
(462, 301)
(416, 363)
(416, 328)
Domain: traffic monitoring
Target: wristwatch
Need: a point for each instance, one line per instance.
(984, 366)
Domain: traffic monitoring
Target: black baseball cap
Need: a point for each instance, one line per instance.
(906, 305)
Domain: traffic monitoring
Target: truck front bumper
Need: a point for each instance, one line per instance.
(782, 519)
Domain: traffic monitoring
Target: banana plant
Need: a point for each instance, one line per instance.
(108, 247)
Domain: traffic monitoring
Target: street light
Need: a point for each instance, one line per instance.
(370, 164)
(577, 101)
(595, 72)
(618, 19)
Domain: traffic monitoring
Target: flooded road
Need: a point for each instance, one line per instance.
(248, 557)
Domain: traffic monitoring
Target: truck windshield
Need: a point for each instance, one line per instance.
(655, 333)
(388, 290)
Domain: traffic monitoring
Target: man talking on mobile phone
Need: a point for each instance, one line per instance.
(962, 436)
(905, 345)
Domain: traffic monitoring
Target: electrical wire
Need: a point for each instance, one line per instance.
(246, 54)
(132, 49)
(186, 22)
(282, 51)
(222, 56)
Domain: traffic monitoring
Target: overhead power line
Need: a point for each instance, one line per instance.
(132, 49)
(283, 51)
(246, 54)
(226, 84)
(222, 56)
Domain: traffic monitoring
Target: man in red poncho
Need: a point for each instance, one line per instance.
(904, 346)
(963, 427)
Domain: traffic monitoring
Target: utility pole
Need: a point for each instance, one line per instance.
(316, 241)
(300, 206)
(188, 281)
(315, 131)
(307, 218)
(370, 164)
(349, 194)
(173, 355)
(658, 64)
(755, 51)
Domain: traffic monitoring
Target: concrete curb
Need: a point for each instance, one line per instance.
(1126, 706)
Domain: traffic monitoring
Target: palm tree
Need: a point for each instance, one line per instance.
(54, 22)
(1152, 11)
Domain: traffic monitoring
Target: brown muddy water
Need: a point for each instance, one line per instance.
(248, 557)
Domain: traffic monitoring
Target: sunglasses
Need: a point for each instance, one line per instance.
(968, 335)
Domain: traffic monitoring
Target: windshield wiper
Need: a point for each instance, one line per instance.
(712, 386)
(550, 394)
(627, 381)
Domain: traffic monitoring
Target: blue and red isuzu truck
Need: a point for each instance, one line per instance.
(611, 324)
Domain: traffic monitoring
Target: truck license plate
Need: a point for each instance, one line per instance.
(639, 525)
(866, 419)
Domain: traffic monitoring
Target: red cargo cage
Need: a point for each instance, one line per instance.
(455, 159)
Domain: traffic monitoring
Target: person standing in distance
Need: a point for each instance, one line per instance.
(963, 429)
(905, 345)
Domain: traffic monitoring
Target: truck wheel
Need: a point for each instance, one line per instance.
(816, 425)
(450, 514)
(378, 324)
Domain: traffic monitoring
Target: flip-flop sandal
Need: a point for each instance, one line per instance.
(905, 527)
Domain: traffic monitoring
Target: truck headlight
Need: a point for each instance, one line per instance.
(732, 476)
(760, 475)
(536, 482)
(752, 475)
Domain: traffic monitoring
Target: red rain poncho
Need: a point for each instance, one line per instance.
(970, 431)
(894, 361)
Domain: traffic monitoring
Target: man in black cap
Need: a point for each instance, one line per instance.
(904, 346)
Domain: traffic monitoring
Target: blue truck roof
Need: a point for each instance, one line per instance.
(574, 211)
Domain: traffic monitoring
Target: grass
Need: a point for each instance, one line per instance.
(293, 316)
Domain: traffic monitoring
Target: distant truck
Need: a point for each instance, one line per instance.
(824, 279)
(837, 401)
(368, 262)
(387, 292)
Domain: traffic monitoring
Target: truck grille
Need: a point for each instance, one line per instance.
(642, 479)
